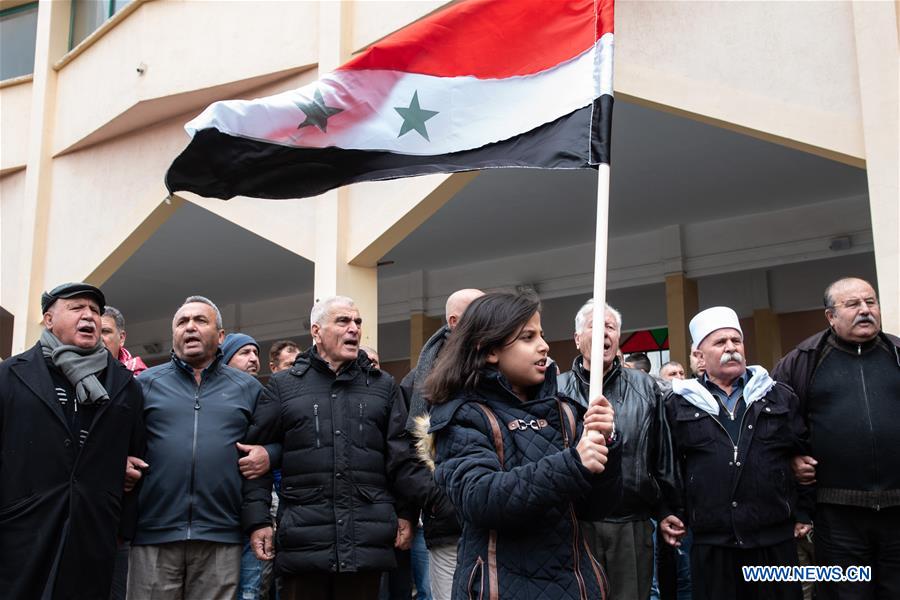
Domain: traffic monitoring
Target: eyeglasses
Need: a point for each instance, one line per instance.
(855, 303)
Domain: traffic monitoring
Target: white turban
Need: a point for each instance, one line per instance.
(711, 319)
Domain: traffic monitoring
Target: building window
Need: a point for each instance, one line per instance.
(88, 15)
(18, 32)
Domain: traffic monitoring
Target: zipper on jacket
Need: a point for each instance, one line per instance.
(865, 394)
(736, 444)
(740, 431)
(360, 422)
(316, 415)
(193, 460)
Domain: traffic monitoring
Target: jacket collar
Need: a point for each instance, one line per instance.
(584, 376)
(312, 359)
(697, 394)
(492, 385)
(816, 341)
(207, 371)
(493, 380)
(32, 371)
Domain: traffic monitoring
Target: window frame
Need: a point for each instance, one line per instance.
(6, 12)
(110, 12)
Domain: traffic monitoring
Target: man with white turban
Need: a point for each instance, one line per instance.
(734, 432)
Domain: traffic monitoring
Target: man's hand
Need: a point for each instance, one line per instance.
(804, 469)
(256, 463)
(802, 529)
(404, 535)
(261, 543)
(133, 466)
(601, 413)
(592, 449)
(673, 530)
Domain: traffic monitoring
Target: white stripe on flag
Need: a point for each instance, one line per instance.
(471, 112)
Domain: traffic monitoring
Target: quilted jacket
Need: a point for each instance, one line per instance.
(520, 489)
(346, 469)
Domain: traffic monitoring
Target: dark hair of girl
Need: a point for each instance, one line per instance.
(488, 323)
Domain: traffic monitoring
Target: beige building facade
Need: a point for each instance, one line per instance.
(755, 158)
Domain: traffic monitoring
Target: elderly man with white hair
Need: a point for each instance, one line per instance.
(735, 431)
(345, 469)
(623, 542)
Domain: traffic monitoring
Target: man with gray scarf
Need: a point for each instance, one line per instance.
(441, 526)
(70, 414)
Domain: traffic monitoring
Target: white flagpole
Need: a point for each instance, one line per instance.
(601, 237)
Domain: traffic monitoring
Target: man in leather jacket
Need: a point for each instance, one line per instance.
(623, 542)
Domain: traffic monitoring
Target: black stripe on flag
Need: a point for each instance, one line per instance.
(218, 165)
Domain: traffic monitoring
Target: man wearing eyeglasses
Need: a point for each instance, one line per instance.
(848, 381)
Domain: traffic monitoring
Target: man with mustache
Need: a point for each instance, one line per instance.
(196, 411)
(734, 432)
(70, 414)
(345, 468)
(848, 381)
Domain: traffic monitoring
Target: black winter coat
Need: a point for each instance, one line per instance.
(439, 519)
(345, 462)
(853, 396)
(521, 537)
(647, 458)
(743, 498)
(60, 505)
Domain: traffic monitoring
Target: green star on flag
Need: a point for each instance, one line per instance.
(414, 117)
(316, 112)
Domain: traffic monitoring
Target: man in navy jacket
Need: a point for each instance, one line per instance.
(196, 409)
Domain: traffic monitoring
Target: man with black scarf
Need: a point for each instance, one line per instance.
(70, 415)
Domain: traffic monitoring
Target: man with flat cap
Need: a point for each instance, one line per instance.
(70, 414)
(734, 432)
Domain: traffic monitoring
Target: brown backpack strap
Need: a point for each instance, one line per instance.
(565, 409)
(496, 434)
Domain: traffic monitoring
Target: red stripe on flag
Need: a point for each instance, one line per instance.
(491, 39)
(605, 17)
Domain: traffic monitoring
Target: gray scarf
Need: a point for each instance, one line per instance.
(418, 405)
(80, 366)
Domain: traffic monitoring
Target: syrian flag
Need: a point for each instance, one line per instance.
(478, 84)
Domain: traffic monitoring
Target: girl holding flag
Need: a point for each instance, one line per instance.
(516, 460)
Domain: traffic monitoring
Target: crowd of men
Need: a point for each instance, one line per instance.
(191, 479)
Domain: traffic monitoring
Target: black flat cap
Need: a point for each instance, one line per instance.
(71, 290)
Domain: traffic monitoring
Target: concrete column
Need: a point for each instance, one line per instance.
(768, 337)
(681, 305)
(421, 327)
(50, 45)
(333, 273)
(878, 60)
